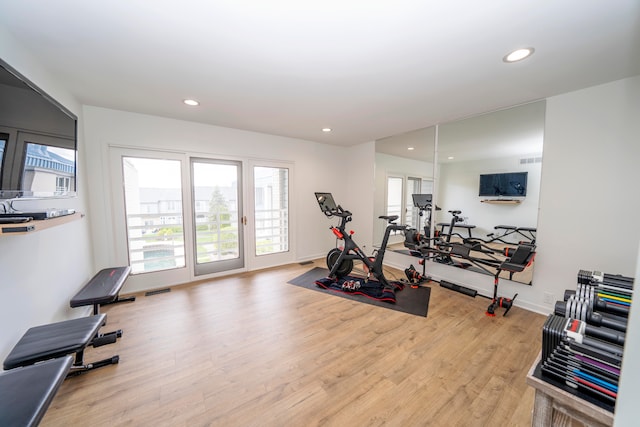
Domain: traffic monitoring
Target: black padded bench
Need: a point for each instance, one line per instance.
(510, 229)
(58, 340)
(103, 288)
(520, 259)
(442, 226)
(26, 393)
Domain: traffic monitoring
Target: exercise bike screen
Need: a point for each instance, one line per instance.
(422, 200)
(326, 202)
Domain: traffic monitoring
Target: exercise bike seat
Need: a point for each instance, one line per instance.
(389, 218)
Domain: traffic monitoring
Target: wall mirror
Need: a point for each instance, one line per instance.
(493, 145)
(489, 168)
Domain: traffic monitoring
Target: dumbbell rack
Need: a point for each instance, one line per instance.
(583, 341)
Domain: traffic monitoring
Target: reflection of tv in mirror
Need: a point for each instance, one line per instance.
(422, 201)
(511, 184)
(37, 141)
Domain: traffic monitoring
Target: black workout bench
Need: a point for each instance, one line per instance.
(444, 225)
(519, 259)
(26, 393)
(528, 233)
(102, 289)
(58, 340)
(73, 336)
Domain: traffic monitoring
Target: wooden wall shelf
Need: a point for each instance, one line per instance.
(502, 201)
(33, 226)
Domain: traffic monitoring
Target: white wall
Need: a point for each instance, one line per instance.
(40, 272)
(589, 202)
(590, 171)
(360, 187)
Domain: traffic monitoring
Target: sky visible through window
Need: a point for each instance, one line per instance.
(151, 174)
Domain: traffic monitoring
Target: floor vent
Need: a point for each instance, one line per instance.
(157, 291)
(306, 262)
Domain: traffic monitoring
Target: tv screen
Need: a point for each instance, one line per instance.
(38, 141)
(511, 184)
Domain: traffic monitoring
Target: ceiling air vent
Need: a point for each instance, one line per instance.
(531, 160)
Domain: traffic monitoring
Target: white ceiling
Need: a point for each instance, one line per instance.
(368, 69)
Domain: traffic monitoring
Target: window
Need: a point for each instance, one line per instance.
(3, 143)
(48, 169)
(271, 189)
(394, 196)
(155, 234)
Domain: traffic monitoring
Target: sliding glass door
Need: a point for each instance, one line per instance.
(178, 218)
(153, 213)
(217, 215)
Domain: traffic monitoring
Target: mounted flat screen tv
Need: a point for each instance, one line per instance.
(38, 141)
(510, 184)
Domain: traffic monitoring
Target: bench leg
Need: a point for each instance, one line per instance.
(79, 366)
(104, 339)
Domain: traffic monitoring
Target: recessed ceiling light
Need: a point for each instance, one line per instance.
(326, 129)
(191, 102)
(450, 158)
(410, 148)
(519, 54)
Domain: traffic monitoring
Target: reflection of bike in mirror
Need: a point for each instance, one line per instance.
(414, 239)
(421, 244)
(340, 260)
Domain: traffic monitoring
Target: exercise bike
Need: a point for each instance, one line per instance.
(340, 260)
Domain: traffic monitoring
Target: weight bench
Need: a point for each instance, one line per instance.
(510, 229)
(442, 226)
(520, 259)
(26, 393)
(73, 336)
(102, 289)
(61, 339)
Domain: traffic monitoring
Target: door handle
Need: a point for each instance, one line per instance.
(244, 220)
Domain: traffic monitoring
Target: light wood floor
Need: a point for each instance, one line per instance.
(252, 350)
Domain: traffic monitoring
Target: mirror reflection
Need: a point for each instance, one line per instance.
(404, 166)
(487, 182)
(489, 169)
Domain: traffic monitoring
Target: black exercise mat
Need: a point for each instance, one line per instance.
(409, 300)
